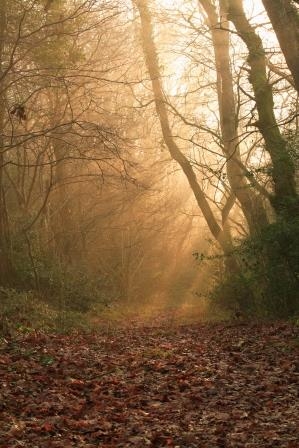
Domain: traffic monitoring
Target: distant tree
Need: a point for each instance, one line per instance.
(54, 130)
(5, 244)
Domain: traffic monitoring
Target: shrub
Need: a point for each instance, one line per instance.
(267, 284)
(22, 311)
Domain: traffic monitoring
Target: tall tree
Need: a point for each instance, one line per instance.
(46, 53)
(5, 259)
(284, 16)
(152, 64)
(251, 203)
(285, 199)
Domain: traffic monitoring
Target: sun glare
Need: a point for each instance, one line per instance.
(252, 7)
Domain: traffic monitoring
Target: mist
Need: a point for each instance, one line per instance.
(148, 161)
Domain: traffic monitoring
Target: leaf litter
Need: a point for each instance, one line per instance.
(201, 386)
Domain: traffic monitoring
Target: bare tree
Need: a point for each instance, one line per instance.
(251, 203)
(54, 129)
(284, 16)
(285, 199)
(152, 64)
(5, 258)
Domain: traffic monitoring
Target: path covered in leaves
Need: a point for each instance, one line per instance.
(193, 386)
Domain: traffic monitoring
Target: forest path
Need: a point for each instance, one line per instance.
(191, 386)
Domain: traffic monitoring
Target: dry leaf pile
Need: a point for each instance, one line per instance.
(192, 386)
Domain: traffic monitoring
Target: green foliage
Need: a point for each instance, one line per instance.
(267, 283)
(293, 145)
(57, 54)
(25, 312)
(50, 34)
(68, 288)
(22, 311)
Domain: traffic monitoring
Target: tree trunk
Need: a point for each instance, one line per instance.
(5, 258)
(62, 222)
(151, 59)
(152, 64)
(251, 203)
(284, 17)
(285, 200)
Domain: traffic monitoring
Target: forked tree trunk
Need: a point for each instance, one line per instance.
(285, 200)
(251, 203)
(152, 64)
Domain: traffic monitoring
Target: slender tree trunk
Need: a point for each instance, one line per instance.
(152, 64)
(284, 17)
(62, 223)
(5, 258)
(65, 210)
(151, 59)
(251, 203)
(285, 200)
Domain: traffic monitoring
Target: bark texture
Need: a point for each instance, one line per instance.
(284, 17)
(152, 64)
(285, 199)
(251, 203)
(5, 259)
